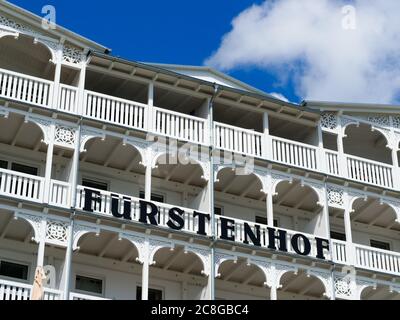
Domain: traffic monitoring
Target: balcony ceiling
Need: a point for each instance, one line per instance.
(16, 132)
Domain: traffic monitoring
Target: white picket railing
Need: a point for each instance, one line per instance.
(21, 185)
(24, 88)
(294, 153)
(104, 207)
(114, 110)
(179, 125)
(339, 251)
(370, 171)
(14, 291)
(68, 100)
(377, 259)
(84, 297)
(60, 194)
(238, 140)
(10, 291)
(332, 162)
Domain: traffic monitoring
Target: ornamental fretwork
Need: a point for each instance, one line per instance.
(72, 55)
(65, 136)
(329, 121)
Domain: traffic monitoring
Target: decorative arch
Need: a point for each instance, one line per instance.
(34, 221)
(323, 278)
(395, 206)
(88, 134)
(257, 174)
(156, 245)
(317, 189)
(203, 165)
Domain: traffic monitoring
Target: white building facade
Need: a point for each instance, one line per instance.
(128, 180)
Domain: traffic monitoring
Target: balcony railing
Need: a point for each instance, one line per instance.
(369, 171)
(294, 153)
(180, 126)
(238, 140)
(85, 297)
(22, 186)
(135, 115)
(11, 290)
(366, 257)
(104, 207)
(27, 89)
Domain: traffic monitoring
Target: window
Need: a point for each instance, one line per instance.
(3, 164)
(87, 284)
(13, 270)
(264, 221)
(154, 294)
(338, 236)
(218, 211)
(24, 169)
(380, 245)
(95, 184)
(154, 197)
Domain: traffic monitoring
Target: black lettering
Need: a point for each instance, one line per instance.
(115, 205)
(226, 226)
(91, 197)
(255, 238)
(281, 237)
(176, 222)
(148, 216)
(296, 245)
(321, 245)
(201, 230)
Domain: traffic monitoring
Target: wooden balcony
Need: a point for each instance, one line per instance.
(11, 291)
(365, 257)
(134, 115)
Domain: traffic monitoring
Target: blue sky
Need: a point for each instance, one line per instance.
(175, 31)
(332, 50)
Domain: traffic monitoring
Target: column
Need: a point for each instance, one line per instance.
(267, 145)
(395, 161)
(49, 165)
(68, 260)
(81, 89)
(145, 271)
(349, 237)
(270, 202)
(75, 167)
(42, 244)
(148, 174)
(342, 164)
(274, 293)
(321, 152)
(57, 77)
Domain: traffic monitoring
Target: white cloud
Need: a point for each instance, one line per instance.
(306, 40)
(279, 96)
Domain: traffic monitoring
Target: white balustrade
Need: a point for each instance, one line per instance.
(24, 88)
(15, 291)
(369, 171)
(377, 259)
(10, 291)
(114, 110)
(339, 251)
(85, 297)
(332, 162)
(68, 100)
(60, 194)
(238, 140)
(294, 153)
(179, 126)
(20, 185)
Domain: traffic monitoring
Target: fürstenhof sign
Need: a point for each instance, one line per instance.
(149, 212)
